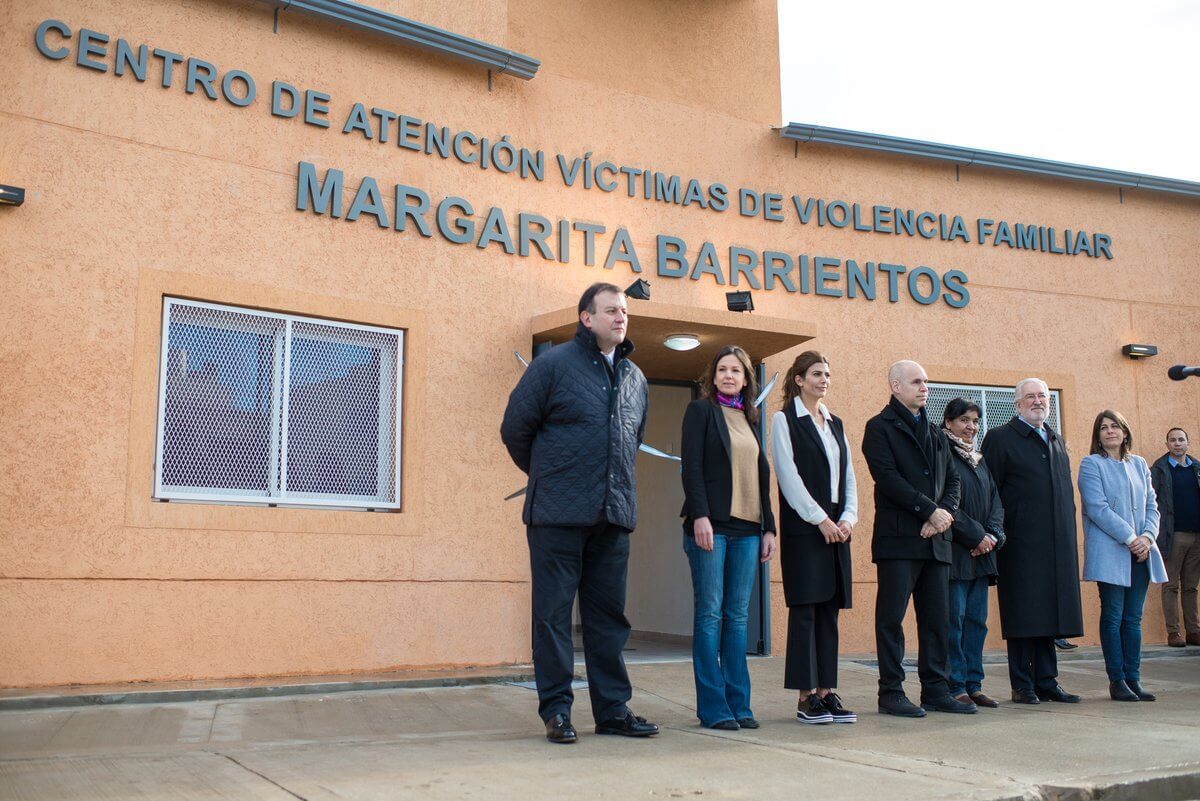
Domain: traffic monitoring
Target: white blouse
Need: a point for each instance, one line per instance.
(790, 483)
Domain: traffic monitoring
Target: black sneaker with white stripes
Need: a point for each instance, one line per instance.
(833, 705)
(812, 710)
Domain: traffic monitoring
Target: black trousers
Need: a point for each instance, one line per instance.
(1032, 663)
(928, 584)
(812, 646)
(591, 561)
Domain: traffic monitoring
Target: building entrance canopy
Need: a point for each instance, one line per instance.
(651, 323)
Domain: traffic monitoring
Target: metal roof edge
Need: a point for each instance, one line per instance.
(986, 158)
(415, 34)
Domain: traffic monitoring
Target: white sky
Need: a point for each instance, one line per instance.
(1107, 84)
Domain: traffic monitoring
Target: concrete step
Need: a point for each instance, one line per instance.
(219, 690)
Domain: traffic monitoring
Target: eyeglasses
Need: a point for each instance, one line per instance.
(1036, 396)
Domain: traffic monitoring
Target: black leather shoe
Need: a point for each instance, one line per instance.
(1139, 692)
(747, 723)
(630, 725)
(833, 703)
(948, 703)
(1120, 691)
(1064, 644)
(812, 710)
(559, 730)
(899, 706)
(1025, 697)
(1057, 694)
(726, 725)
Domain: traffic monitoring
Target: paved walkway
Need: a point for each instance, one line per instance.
(485, 742)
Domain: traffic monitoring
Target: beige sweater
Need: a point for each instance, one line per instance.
(746, 501)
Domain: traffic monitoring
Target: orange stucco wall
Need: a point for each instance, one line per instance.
(136, 191)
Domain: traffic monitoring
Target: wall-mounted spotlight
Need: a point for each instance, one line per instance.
(11, 195)
(739, 301)
(639, 289)
(1140, 351)
(682, 341)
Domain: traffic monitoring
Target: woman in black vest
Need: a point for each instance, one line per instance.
(818, 507)
(728, 529)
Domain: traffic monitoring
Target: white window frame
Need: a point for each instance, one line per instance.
(983, 389)
(278, 495)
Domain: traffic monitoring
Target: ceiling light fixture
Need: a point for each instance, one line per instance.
(682, 341)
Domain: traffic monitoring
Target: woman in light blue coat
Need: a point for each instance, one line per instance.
(1120, 524)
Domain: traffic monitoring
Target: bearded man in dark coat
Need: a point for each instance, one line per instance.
(1038, 585)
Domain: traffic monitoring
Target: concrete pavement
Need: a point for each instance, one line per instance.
(485, 741)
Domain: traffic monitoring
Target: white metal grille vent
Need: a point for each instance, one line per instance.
(257, 407)
(997, 404)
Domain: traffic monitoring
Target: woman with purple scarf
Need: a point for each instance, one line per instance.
(728, 529)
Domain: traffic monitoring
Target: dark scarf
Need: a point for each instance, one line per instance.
(914, 422)
(918, 425)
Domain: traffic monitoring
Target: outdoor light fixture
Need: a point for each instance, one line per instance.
(1140, 351)
(739, 301)
(639, 289)
(11, 195)
(682, 341)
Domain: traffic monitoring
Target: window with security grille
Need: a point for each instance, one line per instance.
(258, 407)
(997, 404)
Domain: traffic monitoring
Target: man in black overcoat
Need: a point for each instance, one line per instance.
(916, 497)
(573, 424)
(1038, 585)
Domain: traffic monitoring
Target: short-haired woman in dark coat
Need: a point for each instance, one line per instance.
(977, 532)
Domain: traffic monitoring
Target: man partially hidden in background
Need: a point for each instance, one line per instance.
(573, 424)
(1176, 478)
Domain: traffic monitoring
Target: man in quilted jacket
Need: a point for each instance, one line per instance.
(573, 425)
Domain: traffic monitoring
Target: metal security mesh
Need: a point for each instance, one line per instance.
(341, 411)
(255, 406)
(998, 405)
(220, 400)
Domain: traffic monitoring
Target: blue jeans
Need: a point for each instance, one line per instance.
(968, 630)
(1121, 624)
(721, 583)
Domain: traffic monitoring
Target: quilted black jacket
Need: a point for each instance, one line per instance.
(576, 434)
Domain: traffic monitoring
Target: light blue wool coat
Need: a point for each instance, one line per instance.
(1113, 517)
